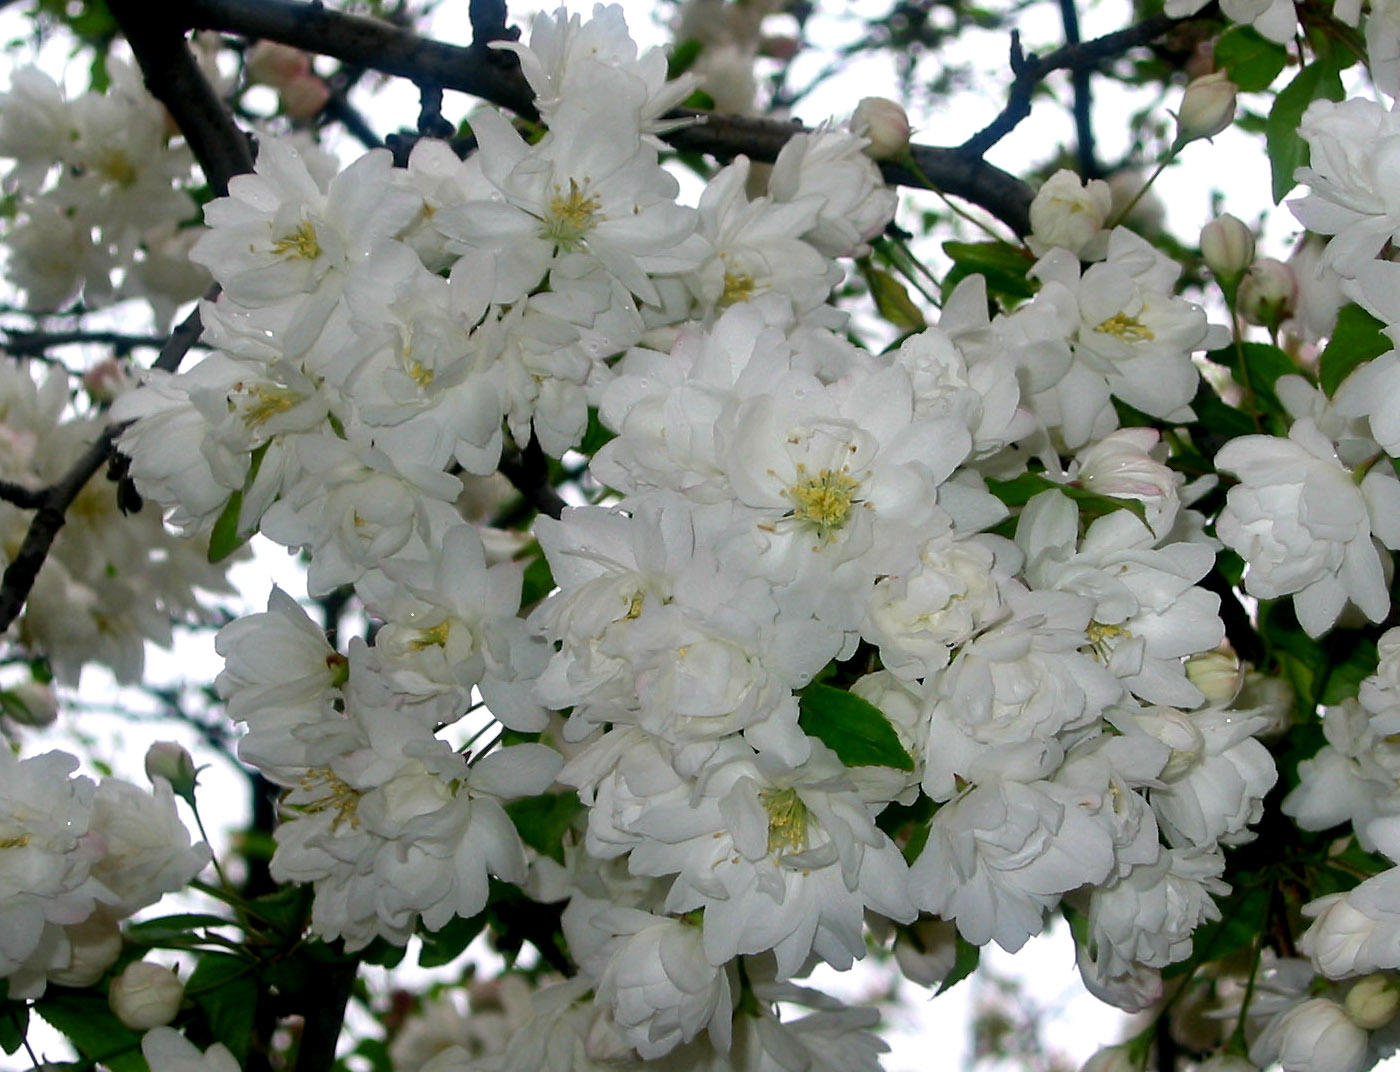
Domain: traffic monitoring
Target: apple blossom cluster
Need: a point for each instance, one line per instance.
(101, 191)
(76, 858)
(112, 581)
(780, 499)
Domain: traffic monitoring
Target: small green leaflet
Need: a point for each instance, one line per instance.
(892, 299)
(224, 538)
(1001, 264)
(1022, 489)
(964, 964)
(226, 988)
(856, 730)
(93, 1029)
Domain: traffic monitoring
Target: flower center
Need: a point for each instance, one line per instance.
(787, 819)
(738, 287)
(117, 166)
(824, 501)
(298, 244)
(571, 216)
(260, 404)
(333, 795)
(19, 841)
(436, 637)
(1127, 328)
(1103, 638)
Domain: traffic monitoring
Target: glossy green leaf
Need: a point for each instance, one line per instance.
(14, 1024)
(543, 821)
(93, 1029)
(855, 729)
(965, 962)
(1022, 489)
(449, 941)
(1355, 340)
(185, 925)
(1003, 265)
(892, 299)
(1286, 148)
(226, 989)
(1251, 60)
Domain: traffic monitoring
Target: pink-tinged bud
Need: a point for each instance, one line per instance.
(170, 761)
(885, 123)
(1372, 1002)
(1227, 246)
(1201, 61)
(30, 704)
(1268, 293)
(779, 47)
(145, 995)
(271, 64)
(105, 380)
(1217, 674)
(1207, 108)
(96, 943)
(304, 97)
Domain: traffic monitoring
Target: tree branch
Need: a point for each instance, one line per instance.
(1031, 71)
(494, 75)
(51, 503)
(174, 79)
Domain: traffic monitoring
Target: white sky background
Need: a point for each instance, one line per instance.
(923, 1034)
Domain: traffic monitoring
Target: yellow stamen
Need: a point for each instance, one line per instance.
(571, 216)
(824, 501)
(787, 820)
(1128, 328)
(300, 243)
(342, 798)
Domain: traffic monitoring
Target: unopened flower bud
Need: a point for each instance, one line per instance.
(926, 951)
(30, 704)
(1372, 1002)
(95, 945)
(1218, 674)
(305, 96)
(275, 65)
(168, 760)
(145, 995)
(885, 123)
(1207, 108)
(1227, 246)
(1268, 293)
(105, 380)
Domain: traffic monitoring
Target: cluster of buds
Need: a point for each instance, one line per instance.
(288, 70)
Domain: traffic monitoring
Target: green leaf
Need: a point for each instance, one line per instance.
(1301, 659)
(14, 1024)
(855, 729)
(1022, 489)
(964, 964)
(179, 927)
(286, 910)
(449, 941)
(1286, 148)
(543, 821)
(1003, 265)
(1346, 670)
(538, 582)
(892, 300)
(93, 1029)
(1243, 915)
(1263, 364)
(1252, 61)
(596, 435)
(1355, 340)
(226, 988)
(224, 538)
(683, 56)
(1218, 417)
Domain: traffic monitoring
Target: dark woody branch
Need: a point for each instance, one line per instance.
(494, 75)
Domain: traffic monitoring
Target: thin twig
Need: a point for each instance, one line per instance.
(1031, 71)
(21, 343)
(1081, 76)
